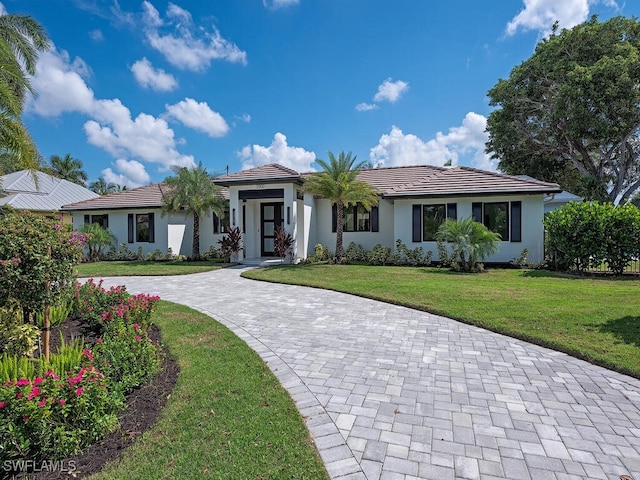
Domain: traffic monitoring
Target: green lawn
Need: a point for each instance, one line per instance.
(228, 417)
(120, 268)
(597, 319)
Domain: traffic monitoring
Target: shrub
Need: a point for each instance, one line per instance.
(405, 256)
(212, 254)
(379, 255)
(16, 337)
(231, 243)
(355, 253)
(97, 238)
(470, 241)
(92, 301)
(282, 244)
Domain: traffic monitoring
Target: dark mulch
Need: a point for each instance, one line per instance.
(140, 414)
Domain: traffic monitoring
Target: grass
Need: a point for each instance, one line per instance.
(120, 268)
(597, 319)
(228, 417)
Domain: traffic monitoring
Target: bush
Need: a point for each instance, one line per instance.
(470, 242)
(231, 243)
(405, 256)
(584, 235)
(379, 255)
(97, 238)
(16, 337)
(355, 253)
(92, 301)
(282, 244)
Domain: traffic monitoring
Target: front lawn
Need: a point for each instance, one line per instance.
(228, 416)
(121, 268)
(597, 319)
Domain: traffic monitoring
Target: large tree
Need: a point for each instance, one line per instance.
(571, 112)
(338, 183)
(102, 187)
(68, 168)
(194, 192)
(21, 39)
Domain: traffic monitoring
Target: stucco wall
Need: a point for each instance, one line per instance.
(532, 228)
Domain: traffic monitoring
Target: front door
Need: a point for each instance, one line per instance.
(270, 218)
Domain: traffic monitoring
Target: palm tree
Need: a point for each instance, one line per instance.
(21, 39)
(193, 191)
(102, 187)
(471, 241)
(337, 182)
(68, 168)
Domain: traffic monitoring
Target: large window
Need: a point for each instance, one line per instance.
(428, 218)
(504, 218)
(357, 219)
(102, 220)
(141, 227)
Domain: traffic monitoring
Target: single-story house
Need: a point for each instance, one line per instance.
(413, 201)
(40, 193)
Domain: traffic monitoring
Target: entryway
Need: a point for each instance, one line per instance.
(270, 219)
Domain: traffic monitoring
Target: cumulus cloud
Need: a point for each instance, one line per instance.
(3, 10)
(388, 91)
(465, 142)
(180, 47)
(199, 116)
(155, 79)
(132, 174)
(280, 152)
(275, 4)
(542, 14)
(60, 83)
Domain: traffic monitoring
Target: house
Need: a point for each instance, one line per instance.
(135, 218)
(413, 201)
(40, 193)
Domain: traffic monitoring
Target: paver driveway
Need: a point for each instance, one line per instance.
(393, 393)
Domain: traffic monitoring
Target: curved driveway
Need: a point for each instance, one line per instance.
(392, 393)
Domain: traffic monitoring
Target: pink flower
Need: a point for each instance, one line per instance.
(138, 338)
(22, 382)
(3, 404)
(79, 391)
(87, 353)
(42, 403)
(37, 380)
(51, 374)
(35, 391)
(100, 340)
(136, 326)
(62, 401)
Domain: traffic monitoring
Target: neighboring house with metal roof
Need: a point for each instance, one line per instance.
(39, 192)
(413, 202)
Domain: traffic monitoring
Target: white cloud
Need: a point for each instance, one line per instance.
(181, 48)
(280, 152)
(96, 35)
(153, 78)
(275, 4)
(390, 91)
(542, 14)
(365, 107)
(199, 116)
(132, 174)
(62, 88)
(60, 84)
(245, 117)
(3, 10)
(461, 143)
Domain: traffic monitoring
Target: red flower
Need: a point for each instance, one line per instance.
(3, 404)
(79, 391)
(22, 382)
(37, 380)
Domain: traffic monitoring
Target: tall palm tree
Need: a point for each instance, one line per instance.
(337, 182)
(68, 168)
(21, 39)
(102, 187)
(193, 192)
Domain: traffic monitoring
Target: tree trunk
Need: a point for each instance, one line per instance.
(339, 230)
(195, 249)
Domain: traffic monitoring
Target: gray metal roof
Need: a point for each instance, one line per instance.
(20, 191)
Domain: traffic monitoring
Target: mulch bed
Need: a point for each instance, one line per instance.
(143, 408)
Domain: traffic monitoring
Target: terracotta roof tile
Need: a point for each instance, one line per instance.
(149, 196)
(272, 171)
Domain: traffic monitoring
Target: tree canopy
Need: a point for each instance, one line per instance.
(68, 168)
(571, 112)
(194, 192)
(337, 182)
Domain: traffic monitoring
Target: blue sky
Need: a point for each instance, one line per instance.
(132, 88)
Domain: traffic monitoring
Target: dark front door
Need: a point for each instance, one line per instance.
(270, 218)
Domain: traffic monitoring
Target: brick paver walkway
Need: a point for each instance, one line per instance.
(392, 393)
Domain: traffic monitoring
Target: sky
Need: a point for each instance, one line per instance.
(134, 88)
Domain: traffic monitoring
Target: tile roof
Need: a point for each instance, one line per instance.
(264, 173)
(20, 191)
(149, 196)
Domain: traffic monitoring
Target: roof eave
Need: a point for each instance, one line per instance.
(469, 193)
(245, 181)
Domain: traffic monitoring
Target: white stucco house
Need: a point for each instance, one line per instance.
(413, 201)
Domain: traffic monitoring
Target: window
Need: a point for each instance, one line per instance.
(496, 218)
(426, 219)
(102, 220)
(141, 227)
(504, 218)
(220, 224)
(357, 219)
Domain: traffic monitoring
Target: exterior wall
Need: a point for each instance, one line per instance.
(532, 228)
(368, 240)
(118, 225)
